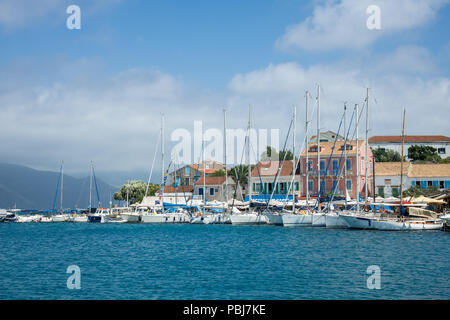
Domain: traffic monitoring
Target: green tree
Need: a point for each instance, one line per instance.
(135, 190)
(423, 153)
(388, 155)
(289, 155)
(418, 191)
(270, 154)
(242, 172)
(218, 173)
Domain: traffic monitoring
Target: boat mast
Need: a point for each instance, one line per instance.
(162, 161)
(204, 170)
(366, 157)
(401, 162)
(357, 157)
(90, 187)
(293, 161)
(62, 185)
(318, 148)
(306, 154)
(248, 160)
(345, 154)
(225, 152)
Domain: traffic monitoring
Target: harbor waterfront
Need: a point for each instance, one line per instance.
(174, 261)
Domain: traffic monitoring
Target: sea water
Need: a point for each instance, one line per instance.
(137, 261)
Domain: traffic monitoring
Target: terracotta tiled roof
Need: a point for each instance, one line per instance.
(429, 170)
(410, 139)
(326, 148)
(211, 181)
(270, 168)
(390, 168)
(200, 169)
(171, 189)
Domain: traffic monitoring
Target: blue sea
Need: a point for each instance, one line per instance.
(136, 261)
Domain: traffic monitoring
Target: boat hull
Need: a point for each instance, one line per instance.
(248, 219)
(131, 218)
(407, 225)
(297, 220)
(60, 218)
(357, 222)
(274, 219)
(334, 221)
(318, 220)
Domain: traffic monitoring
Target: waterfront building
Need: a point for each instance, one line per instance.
(440, 143)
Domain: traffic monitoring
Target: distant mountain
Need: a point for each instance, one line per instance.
(27, 188)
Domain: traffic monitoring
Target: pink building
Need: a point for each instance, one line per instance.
(334, 165)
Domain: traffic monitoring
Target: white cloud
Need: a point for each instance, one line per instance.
(342, 24)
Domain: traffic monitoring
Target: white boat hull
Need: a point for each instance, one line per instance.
(60, 218)
(358, 222)
(274, 219)
(387, 225)
(81, 219)
(248, 219)
(318, 220)
(334, 221)
(165, 218)
(297, 220)
(130, 217)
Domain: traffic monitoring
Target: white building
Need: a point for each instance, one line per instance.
(440, 143)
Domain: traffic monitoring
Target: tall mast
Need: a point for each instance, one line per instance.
(318, 148)
(293, 161)
(345, 154)
(90, 187)
(366, 157)
(204, 170)
(162, 160)
(357, 157)
(306, 154)
(62, 184)
(401, 163)
(225, 152)
(248, 159)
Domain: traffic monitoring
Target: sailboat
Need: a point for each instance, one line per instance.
(305, 218)
(61, 217)
(250, 217)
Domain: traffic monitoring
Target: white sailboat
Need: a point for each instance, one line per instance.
(61, 217)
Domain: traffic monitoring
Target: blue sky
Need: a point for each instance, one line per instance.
(133, 59)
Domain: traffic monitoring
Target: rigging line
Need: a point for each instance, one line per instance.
(351, 141)
(96, 186)
(257, 169)
(322, 183)
(181, 179)
(280, 167)
(153, 164)
(57, 189)
(81, 190)
(337, 178)
(238, 176)
(196, 172)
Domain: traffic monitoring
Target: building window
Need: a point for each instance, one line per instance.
(418, 184)
(257, 187)
(383, 149)
(381, 191)
(441, 185)
(297, 186)
(335, 167)
(200, 191)
(216, 190)
(310, 165)
(429, 183)
(349, 184)
(387, 181)
(322, 166)
(441, 150)
(395, 191)
(211, 191)
(310, 185)
(282, 186)
(349, 164)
